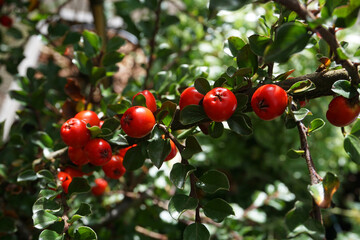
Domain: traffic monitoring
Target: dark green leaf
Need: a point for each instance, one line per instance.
(82, 62)
(352, 147)
(84, 210)
(284, 76)
(311, 228)
(118, 140)
(218, 209)
(46, 205)
(158, 148)
(21, 96)
(112, 58)
(316, 124)
(7, 225)
(192, 147)
(97, 74)
(58, 29)
(166, 113)
(258, 44)
(355, 130)
(43, 140)
(212, 181)
(179, 203)
(341, 53)
(290, 38)
(134, 158)
(139, 100)
(240, 123)
(92, 43)
(114, 44)
(71, 38)
(28, 175)
(344, 88)
(234, 44)
(79, 185)
(48, 193)
(292, 153)
(301, 86)
(298, 215)
(111, 123)
(301, 114)
(84, 233)
(241, 100)
(50, 235)
(216, 129)
(247, 59)
(219, 83)
(14, 32)
(118, 108)
(192, 114)
(45, 174)
(43, 219)
(202, 85)
(179, 174)
(196, 231)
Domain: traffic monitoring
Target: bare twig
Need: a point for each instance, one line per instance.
(150, 234)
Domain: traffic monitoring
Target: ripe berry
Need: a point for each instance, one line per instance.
(150, 99)
(114, 168)
(98, 151)
(123, 151)
(100, 187)
(77, 156)
(137, 122)
(190, 96)
(6, 21)
(269, 101)
(173, 152)
(342, 111)
(73, 172)
(101, 123)
(89, 117)
(65, 179)
(219, 104)
(74, 133)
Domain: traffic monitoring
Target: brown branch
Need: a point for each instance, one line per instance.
(327, 35)
(149, 233)
(152, 44)
(97, 9)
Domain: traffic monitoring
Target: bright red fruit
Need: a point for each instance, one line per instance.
(190, 96)
(73, 172)
(101, 123)
(66, 179)
(100, 187)
(89, 117)
(98, 151)
(137, 122)
(123, 151)
(6, 21)
(74, 133)
(269, 101)
(114, 168)
(150, 99)
(77, 156)
(342, 111)
(219, 104)
(173, 152)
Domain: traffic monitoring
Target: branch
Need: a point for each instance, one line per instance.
(328, 36)
(97, 9)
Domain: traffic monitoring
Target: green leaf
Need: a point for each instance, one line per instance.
(72, 38)
(344, 88)
(84, 210)
(192, 114)
(316, 124)
(112, 58)
(346, 15)
(7, 225)
(301, 86)
(45, 174)
(43, 219)
(179, 203)
(179, 173)
(139, 100)
(84, 233)
(114, 44)
(234, 44)
(247, 59)
(92, 43)
(242, 101)
(258, 44)
(290, 38)
(292, 153)
(220, 82)
(82, 62)
(14, 32)
(324, 190)
(97, 74)
(95, 131)
(352, 147)
(202, 85)
(192, 147)
(341, 53)
(111, 123)
(355, 130)
(118, 108)
(196, 231)
(240, 123)
(166, 113)
(216, 129)
(134, 158)
(158, 148)
(50, 235)
(311, 228)
(46, 205)
(298, 215)
(218, 209)
(48, 193)
(301, 114)
(28, 175)
(79, 185)
(212, 181)
(119, 140)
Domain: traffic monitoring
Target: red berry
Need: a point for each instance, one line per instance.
(6, 21)
(342, 111)
(173, 152)
(77, 156)
(137, 122)
(73, 172)
(101, 123)
(100, 187)
(190, 96)
(74, 133)
(123, 151)
(219, 104)
(66, 179)
(114, 168)
(98, 151)
(89, 117)
(150, 99)
(269, 101)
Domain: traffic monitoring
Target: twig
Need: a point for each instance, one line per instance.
(150, 234)
(152, 44)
